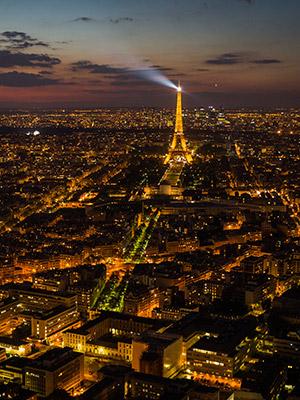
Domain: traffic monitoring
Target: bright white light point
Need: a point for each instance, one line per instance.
(179, 89)
(35, 133)
(216, 84)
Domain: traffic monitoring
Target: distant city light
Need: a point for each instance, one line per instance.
(35, 133)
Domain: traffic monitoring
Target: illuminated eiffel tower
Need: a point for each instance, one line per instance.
(178, 150)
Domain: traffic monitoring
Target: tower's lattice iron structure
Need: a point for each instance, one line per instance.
(178, 150)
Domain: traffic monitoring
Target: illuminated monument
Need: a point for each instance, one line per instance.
(178, 150)
(170, 183)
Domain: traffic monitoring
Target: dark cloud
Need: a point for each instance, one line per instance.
(97, 68)
(45, 72)
(160, 68)
(123, 19)
(109, 70)
(20, 40)
(267, 61)
(247, 1)
(22, 79)
(239, 58)
(15, 35)
(227, 59)
(111, 20)
(84, 19)
(203, 69)
(9, 60)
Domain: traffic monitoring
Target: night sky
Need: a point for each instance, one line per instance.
(97, 53)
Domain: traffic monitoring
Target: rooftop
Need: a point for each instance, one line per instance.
(54, 359)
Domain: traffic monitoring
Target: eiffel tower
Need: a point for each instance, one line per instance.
(178, 150)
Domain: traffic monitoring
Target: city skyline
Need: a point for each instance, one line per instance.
(105, 54)
(150, 200)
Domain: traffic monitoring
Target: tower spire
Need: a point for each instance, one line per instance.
(179, 124)
(178, 148)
